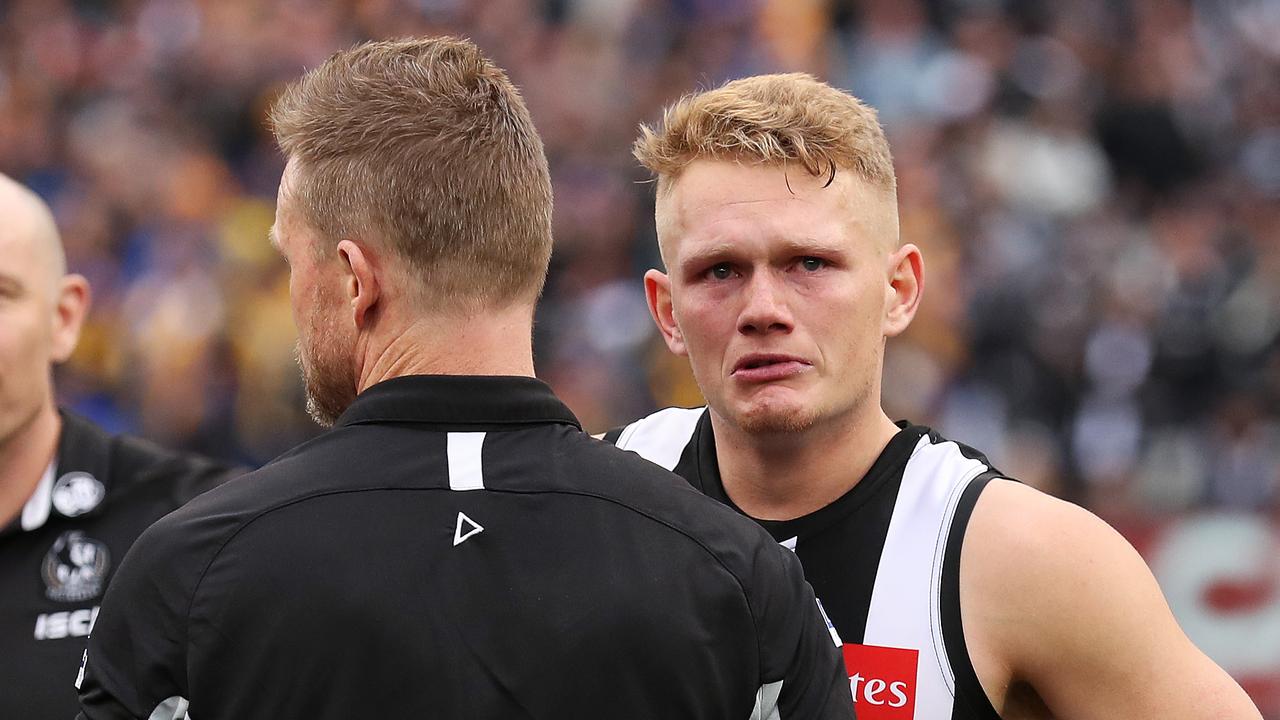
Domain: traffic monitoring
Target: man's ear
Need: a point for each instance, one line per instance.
(69, 311)
(904, 290)
(657, 291)
(360, 285)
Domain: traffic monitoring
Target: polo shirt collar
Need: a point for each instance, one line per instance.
(83, 450)
(36, 510)
(459, 400)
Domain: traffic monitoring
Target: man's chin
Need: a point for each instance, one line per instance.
(324, 414)
(775, 420)
(329, 391)
(328, 397)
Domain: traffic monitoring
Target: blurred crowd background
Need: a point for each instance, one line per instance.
(1095, 185)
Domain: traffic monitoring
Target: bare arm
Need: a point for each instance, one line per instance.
(1055, 599)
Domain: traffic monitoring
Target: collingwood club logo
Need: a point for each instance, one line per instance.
(75, 568)
(76, 493)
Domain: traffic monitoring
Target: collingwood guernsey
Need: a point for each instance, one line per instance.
(883, 559)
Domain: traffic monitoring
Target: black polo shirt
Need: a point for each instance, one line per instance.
(456, 547)
(58, 555)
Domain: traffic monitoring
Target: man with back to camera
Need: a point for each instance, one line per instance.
(72, 497)
(455, 546)
(957, 593)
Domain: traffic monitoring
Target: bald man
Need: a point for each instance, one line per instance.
(72, 497)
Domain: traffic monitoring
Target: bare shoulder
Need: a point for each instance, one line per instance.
(1055, 599)
(1023, 536)
(1029, 557)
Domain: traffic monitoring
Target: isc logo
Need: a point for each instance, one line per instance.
(75, 623)
(883, 681)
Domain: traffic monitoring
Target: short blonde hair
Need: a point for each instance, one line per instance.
(772, 119)
(424, 144)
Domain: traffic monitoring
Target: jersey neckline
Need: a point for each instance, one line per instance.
(889, 464)
(459, 401)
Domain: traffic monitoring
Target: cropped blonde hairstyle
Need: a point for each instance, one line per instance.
(770, 119)
(426, 146)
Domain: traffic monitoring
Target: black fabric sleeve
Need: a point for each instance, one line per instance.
(796, 645)
(180, 477)
(206, 478)
(137, 651)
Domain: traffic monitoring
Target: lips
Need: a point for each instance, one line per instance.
(767, 367)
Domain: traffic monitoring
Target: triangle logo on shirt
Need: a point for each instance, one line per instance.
(465, 529)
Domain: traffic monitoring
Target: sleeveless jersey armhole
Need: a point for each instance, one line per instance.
(971, 699)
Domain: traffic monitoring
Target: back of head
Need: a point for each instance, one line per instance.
(770, 119)
(424, 145)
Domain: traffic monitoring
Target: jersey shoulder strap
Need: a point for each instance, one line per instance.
(915, 593)
(661, 437)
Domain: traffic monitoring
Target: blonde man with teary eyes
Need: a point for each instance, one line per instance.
(957, 593)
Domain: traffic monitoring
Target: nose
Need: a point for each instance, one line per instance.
(766, 309)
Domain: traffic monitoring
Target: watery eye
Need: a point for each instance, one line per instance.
(720, 272)
(812, 264)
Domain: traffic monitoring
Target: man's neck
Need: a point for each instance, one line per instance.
(493, 343)
(784, 476)
(24, 456)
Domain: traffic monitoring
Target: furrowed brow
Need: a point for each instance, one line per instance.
(697, 258)
(813, 246)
